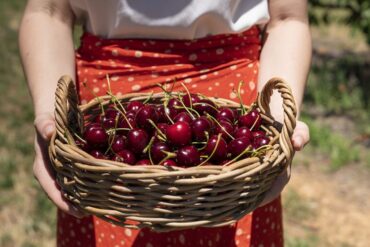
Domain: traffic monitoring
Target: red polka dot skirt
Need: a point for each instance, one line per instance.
(212, 66)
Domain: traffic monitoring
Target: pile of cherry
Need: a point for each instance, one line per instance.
(184, 130)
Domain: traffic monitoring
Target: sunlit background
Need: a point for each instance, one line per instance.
(327, 202)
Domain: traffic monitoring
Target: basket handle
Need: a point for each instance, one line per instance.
(290, 112)
(66, 110)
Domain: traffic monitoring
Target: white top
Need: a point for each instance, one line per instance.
(168, 19)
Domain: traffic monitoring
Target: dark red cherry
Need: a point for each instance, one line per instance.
(143, 162)
(137, 140)
(169, 162)
(95, 135)
(156, 151)
(119, 143)
(174, 103)
(253, 118)
(179, 134)
(144, 115)
(199, 127)
(124, 123)
(188, 156)
(205, 106)
(108, 123)
(237, 146)
(97, 154)
(125, 156)
(258, 133)
(131, 114)
(260, 141)
(183, 117)
(227, 113)
(225, 128)
(134, 106)
(243, 132)
(221, 150)
(111, 113)
(190, 100)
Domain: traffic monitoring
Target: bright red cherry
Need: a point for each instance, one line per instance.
(179, 133)
(227, 113)
(125, 156)
(95, 135)
(137, 140)
(188, 156)
(243, 132)
(253, 118)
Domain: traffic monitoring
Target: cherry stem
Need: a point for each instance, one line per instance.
(255, 121)
(214, 119)
(149, 98)
(186, 108)
(96, 97)
(188, 93)
(157, 129)
(247, 150)
(124, 116)
(214, 108)
(261, 150)
(147, 148)
(213, 151)
(207, 137)
(114, 130)
(240, 97)
(79, 138)
(169, 155)
(165, 103)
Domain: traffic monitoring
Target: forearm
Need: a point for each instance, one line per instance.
(286, 53)
(47, 52)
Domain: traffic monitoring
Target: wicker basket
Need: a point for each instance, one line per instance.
(166, 198)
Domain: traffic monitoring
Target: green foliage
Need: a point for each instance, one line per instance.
(355, 13)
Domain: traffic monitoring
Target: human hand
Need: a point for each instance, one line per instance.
(300, 138)
(42, 170)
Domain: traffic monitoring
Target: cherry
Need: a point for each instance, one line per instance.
(260, 141)
(243, 132)
(237, 146)
(134, 106)
(188, 156)
(144, 115)
(165, 113)
(107, 123)
(97, 154)
(205, 106)
(169, 162)
(143, 162)
(179, 133)
(95, 135)
(183, 117)
(125, 123)
(221, 150)
(199, 126)
(156, 151)
(174, 104)
(258, 133)
(253, 118)
(225, 128)
(227, 113)
(111, 113)
(137, 140)
(119, 143)
(131, 114)
(125, 156)
(190, 100)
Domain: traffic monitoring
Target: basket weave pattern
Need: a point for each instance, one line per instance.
(159, 197)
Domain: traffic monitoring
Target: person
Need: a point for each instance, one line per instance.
(209, 45)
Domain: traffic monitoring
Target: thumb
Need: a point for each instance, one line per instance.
(45, 125)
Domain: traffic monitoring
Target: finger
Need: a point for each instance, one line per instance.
(45, 176)
(301, 136)
(45, 125)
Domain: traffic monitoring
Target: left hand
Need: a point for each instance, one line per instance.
(300, 138)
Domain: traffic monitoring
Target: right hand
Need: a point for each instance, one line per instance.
(42, 170)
